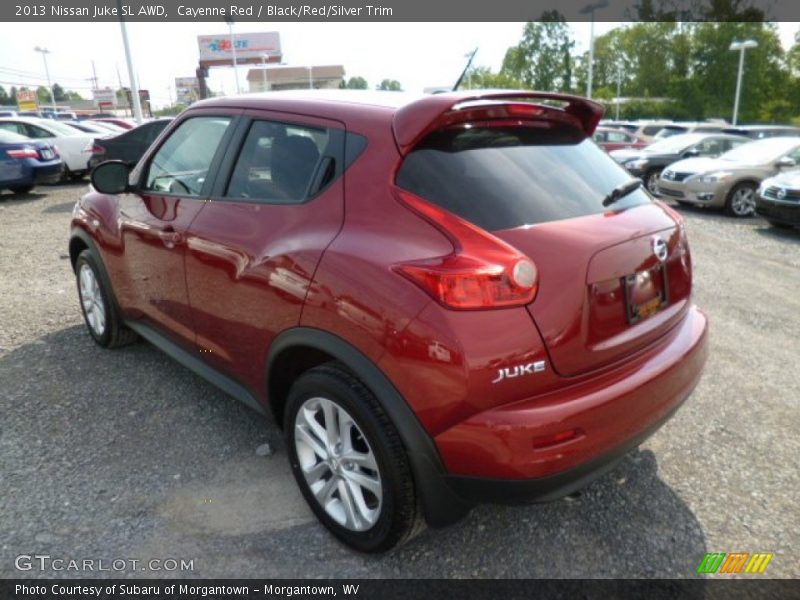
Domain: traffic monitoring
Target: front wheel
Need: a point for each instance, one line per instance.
(349, 461)
(99, 312)
(651, 180)
(741, 201)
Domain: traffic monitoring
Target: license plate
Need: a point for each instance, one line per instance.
(47, 154)
(645, 293)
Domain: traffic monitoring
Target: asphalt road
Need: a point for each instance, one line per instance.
(126, 455)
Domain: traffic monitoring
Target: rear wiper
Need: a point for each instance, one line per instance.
(621, 191)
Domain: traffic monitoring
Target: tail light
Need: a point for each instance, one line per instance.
(56, 151)
(483, 271)
(95, 148)
(23, 153)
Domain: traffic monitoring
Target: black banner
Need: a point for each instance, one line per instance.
(393, 10)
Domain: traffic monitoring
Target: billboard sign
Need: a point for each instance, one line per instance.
(250, 47)
(187, 89)
(27, 100)
(105, 97)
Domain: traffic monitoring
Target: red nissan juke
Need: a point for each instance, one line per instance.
(441, 300)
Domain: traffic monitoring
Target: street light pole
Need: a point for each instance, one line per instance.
(589, 10)
(229, 21)
(619, 86)
(741, 47)
(137, 104)
(45, 52)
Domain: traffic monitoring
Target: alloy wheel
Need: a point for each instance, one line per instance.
(338, 464)
(652, 182)
(743, 202)
(92, 300)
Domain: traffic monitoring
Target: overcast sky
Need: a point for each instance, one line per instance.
(416, 54)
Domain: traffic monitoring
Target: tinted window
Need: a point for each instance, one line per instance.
(616, 136)
(37, 132)
(278, 162)
(652, 129)
(181, 164)
(505, 177)
(17, 128)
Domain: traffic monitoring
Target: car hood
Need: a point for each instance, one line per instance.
(625, 154)
(789, 179)
(703, 165)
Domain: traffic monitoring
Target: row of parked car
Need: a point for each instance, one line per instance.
(36, 150)
(743, 170)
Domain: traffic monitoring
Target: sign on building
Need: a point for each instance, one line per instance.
(187, 89)
(27, 100)
(105, 97)
(250, 48)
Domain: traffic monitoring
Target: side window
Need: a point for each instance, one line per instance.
(37, 132)
(14, 128)
(731, 144)
(600, 136)
(795, 154)
(710, 147)
(181, 164)
(278, 162)
(617, 137)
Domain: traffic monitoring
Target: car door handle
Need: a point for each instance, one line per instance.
(169, 236)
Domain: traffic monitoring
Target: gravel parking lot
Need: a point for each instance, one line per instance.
(125, 454)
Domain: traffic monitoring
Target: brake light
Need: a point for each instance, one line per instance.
(483, 271)
(23, 153)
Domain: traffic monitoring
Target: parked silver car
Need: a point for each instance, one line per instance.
(730, 181)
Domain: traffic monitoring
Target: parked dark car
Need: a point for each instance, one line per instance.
(758, 132)
(778, 199)
(648, 163)
(442, 300)
(25, 162)
(128, 146)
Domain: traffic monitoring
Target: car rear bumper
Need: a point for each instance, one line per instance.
(494, 455)
(780, 212)
(50, 173)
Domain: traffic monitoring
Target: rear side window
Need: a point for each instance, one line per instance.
(278, 162)
(182, 162)
(506, 177)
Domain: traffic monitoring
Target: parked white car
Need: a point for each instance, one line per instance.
(73, 145)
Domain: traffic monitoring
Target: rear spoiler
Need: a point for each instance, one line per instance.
(413, 121)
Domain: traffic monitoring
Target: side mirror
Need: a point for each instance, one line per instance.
(111, 177)
(786, 162)
(691, 153)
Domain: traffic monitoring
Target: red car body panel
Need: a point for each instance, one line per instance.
(224, 278)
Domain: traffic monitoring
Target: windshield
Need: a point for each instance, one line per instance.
(761, 151)
(60, 128)
(506, 177)
(674, 144)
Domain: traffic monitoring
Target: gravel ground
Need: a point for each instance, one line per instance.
(125, 454)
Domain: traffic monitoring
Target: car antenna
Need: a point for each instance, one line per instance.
(464, 72)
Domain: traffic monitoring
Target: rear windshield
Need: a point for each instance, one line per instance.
(507, 177)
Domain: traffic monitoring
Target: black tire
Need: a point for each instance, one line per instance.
(399, 519)
(114, 333)
(22, 189)
(731, 205)
(651, 180)
(76, 175)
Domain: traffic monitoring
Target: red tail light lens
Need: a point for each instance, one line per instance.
(483, 272)
(23, 153)
(97, 149)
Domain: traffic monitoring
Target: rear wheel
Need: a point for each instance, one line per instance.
(102, 318)
(741, 200)
(22, 189)
(349, 462)
(651, 180)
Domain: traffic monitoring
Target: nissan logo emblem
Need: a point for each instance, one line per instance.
(781, 193)
(660, 248)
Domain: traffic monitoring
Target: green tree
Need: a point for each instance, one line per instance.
(355, 83)
(484, 78)
(390, 85)
(542, 60)
(5, 99)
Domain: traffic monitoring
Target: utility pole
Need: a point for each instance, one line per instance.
(229, 21)
(94, 76)
(45, 52)
(137, 105)
(619, 86)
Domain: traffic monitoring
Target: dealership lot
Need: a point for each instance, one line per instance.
(126, 455)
